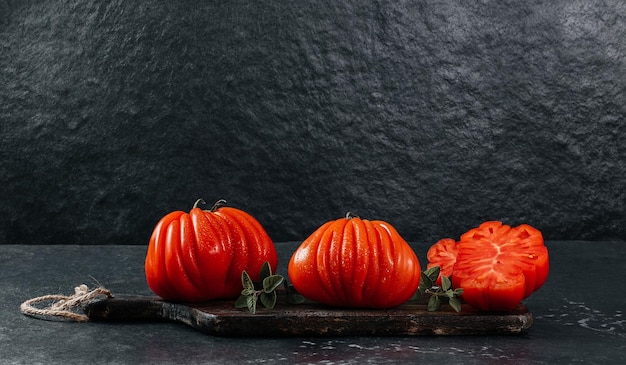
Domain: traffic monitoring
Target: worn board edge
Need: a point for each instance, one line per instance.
(221, 318)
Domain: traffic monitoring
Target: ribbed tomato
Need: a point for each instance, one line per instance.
(498, 266)
(353, 262)
(200, 255)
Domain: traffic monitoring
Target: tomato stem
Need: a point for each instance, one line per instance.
(218, 204)
(351, 215)
(198, 202)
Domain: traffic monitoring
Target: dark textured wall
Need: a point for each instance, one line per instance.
(433, 116)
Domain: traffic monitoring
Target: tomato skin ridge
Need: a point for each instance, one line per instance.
(155, 259)
(172, 261)
(402, 256)
(386, 261)
(239, 243)
(188, 246)
(254, 243)
(345, 256)
(360, 259)
(209, 240)
(334, 260)
(303, 273)
(323, 260)
(372, 283)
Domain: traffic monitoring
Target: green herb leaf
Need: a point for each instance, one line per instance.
(425, 282)
(455, 303)
(446, 284)
(250, 295)
(433, 273)
(246, 281)
(268, 299)
(241, 302)
(434, 303)
(251, 303)
(438, 294)
(246, 292)
(272, 282)
(266, 271)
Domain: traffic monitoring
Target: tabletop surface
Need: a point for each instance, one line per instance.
(578, 317)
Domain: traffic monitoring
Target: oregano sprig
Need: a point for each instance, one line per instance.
(266, 294)
(439, 293)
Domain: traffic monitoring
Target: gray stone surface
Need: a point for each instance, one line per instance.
(430, 115)
(571, 325)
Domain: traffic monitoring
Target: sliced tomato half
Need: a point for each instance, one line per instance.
(443, 254)
(497, 266)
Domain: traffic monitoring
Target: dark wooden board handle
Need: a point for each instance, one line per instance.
(311, 319)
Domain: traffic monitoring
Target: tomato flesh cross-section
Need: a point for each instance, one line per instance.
(442, 254)
(496, 265)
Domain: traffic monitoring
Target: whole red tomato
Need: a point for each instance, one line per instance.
(496, 265)
(200, 255)
(353, 262)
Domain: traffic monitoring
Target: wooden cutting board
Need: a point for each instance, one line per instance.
(310, 319)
